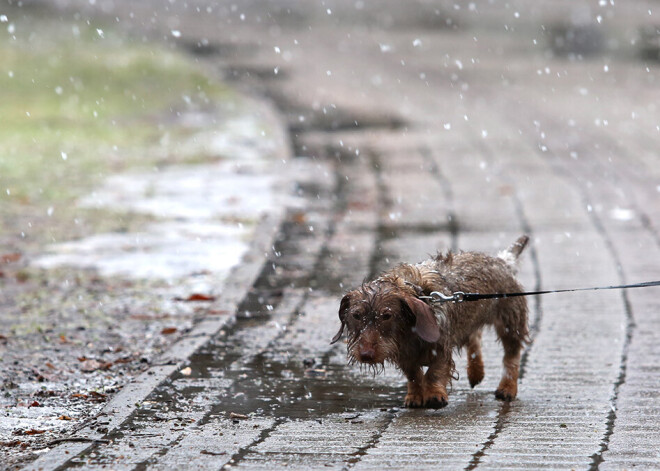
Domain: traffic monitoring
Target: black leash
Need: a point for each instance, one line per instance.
(460, 296)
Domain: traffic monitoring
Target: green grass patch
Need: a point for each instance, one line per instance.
(79, 102)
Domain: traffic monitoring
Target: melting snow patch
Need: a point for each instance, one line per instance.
(206, 213)
(622, 214)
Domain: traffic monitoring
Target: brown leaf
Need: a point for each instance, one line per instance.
(10, 257)
(359, 205)
(35, 404)
(33, 432)
(11, 443)
(299, 217)
(50, 365)
(168, 330)
(234, 415)
(90, 365)
(83, 358)
(200, 297)
(98, 395)
(64, 417)
(123, 360)
(63, 339)
(78, 395)
(217, 312)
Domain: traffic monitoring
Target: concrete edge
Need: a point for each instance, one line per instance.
(127, 401)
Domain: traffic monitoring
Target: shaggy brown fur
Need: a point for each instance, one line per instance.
(387, 322)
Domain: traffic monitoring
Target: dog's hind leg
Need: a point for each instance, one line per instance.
(512, 344)
(475, 361)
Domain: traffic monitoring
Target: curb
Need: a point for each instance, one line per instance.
(125, 402)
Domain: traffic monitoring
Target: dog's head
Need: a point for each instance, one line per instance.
(377, 317)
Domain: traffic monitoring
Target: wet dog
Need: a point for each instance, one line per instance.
(386, 321)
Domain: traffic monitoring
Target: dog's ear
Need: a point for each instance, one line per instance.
(343, 310)
(426, 325)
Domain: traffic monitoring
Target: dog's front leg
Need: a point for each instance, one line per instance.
(415, 396)
(435, 382)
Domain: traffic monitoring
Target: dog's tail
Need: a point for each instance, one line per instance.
(511, 255)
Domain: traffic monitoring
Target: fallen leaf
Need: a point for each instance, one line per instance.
(217, 312)
(168, 330)
(64, 417)
(38, 375)
(33, 432)
(359, 205)
(63, 339)
(89, 366)
(35, 404)
(46, 393)
(98, 395)
(11, 443)
(82, 358)
(299, 218)
(200, 297)
(234, 415)
(79, 396)
(124, 360)
(50, 365)
(10, 257)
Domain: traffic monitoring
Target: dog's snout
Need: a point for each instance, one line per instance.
(367, 355)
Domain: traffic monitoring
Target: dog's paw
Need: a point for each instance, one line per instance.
(413, 401)
(436, 402)
(435, 397)
(475, 371)
(475, 375)
(506, 391)
(504, 395)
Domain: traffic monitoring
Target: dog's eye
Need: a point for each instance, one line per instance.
(386, 316)
(356, 316)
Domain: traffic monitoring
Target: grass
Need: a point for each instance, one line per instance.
(79, 102)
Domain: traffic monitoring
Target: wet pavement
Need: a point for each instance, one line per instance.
(419, 129)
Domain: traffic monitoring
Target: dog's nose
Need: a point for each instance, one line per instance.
(367, 355)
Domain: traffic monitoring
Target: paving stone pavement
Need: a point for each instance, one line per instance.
(425, 127)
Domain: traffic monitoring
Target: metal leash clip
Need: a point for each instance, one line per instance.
(438, 297)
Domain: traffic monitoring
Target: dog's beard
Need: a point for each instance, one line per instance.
(387, 354)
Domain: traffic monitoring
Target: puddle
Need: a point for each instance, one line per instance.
(205, 215)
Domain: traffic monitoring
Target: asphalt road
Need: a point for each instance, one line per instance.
(420, 128)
